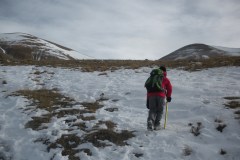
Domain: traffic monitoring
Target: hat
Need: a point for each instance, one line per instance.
(163, 68)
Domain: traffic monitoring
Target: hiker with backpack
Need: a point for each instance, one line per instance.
(158, 88)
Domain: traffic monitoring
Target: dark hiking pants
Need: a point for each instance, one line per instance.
(156, 107)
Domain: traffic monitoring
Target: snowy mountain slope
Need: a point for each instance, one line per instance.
(2, 51)
(26, 46)
(231, 51)
(197, 97)
(201, 51)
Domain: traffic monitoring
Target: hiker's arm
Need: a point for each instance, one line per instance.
(169, 89)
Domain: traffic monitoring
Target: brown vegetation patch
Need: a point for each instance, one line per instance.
(104, 65)
(45, 99)
(233, 104)
(115, 100)
(92, 107)
(111, 109)
(39, 72)
(231, 98)
(223, 152)
(102, 74)
(80, 125)
(237, 114)
(66, 112)
(68, 143)
(98, 136)
(4, 82)
(195, 130)
(187, 151)
(87, 118)
(220, 127)
(110, 125)
(138, 155)
(59, 106)
(36, 122)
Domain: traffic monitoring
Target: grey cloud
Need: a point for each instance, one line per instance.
(135, 29)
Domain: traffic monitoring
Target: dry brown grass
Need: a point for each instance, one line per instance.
(60, 106)
(187, 151)
(45, 99)
(233, 102)
(69, 144)
(103, 65)
(96, 137)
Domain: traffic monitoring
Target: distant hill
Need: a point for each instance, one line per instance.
(201, 51)
(22, 46)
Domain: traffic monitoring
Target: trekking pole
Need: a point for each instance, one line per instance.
(166, 114)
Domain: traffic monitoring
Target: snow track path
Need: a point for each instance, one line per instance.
(198, 98)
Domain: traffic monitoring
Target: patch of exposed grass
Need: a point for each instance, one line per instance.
(195, 130)
(38, 72)
(66, 112)
(45, 99)
(115, 100)
(56, 104)
(87, 118)
(36, 122)
(231, 98)
(98, 136)
(102, 74)
(68, 143)
(237, 114)
(218, 120)
(138, 155)
(111, 109)
(80, 125)
(223, 152)
(110, 125)
(43, 140)
(233, 104)
(59, 106)
(104, 65)
(4, 82)
(92, 107)
(220, 127)
(187, 151)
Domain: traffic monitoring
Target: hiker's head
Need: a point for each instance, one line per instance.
(163, 68)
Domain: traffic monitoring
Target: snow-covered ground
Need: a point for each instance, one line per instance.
(197, 97)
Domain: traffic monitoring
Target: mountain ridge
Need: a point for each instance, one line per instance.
(21, 46)
(199, 51)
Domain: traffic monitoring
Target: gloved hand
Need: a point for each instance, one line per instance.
(169, 99)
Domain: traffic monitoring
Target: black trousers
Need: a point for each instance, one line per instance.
(156, 106)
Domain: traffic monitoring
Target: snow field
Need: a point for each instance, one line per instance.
(197, 97)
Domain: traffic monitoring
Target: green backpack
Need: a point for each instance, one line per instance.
(154, 82)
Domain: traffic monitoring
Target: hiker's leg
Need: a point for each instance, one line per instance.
(152, 112)
(159, 111)
(150, 120)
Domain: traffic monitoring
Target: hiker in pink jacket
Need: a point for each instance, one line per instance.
(156, 102)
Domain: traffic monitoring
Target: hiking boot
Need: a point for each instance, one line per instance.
(149, 126)
(158, 127)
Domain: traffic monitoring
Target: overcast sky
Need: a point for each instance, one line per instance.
(125, 29)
